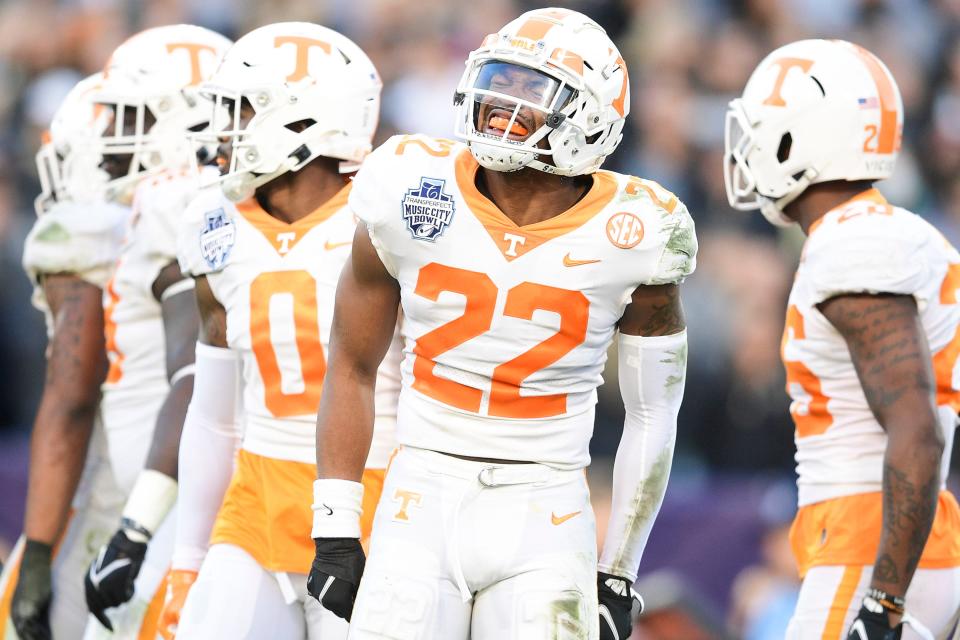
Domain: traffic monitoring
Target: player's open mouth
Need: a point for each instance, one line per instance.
(499, 120)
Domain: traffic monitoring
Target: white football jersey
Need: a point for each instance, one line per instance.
(136, 383)
(863, 246)
(277, 282)
(82, 239)
(506, 328)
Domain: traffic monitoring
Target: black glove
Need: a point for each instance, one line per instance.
(335, 574)
(873, 625)
(109, 581)
(30, 607)
(616, 597)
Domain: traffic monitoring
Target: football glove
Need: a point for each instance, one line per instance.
(179, 582)
(30, 607)
(873, 625)
(335, 574)
(109, 581)
(615, 597)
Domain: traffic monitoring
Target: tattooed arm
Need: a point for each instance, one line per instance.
(76, 367)
(890, 353)
(654, 311)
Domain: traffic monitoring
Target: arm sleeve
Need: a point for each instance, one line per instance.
(652, 374)
(207, 447)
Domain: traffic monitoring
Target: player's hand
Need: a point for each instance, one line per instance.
(179, 582)
(30, 607)
(615, 596)
(109, 581)
(873, 625)
(335, 575)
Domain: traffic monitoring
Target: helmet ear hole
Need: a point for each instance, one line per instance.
(783, 151)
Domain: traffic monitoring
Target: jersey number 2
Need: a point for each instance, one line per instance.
(285, 334)
(477, 318)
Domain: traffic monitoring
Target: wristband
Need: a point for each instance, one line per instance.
(893, 604)
(150, 500)
(336, 508)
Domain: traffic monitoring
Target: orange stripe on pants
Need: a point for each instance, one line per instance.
(833, 629)
(151, 618)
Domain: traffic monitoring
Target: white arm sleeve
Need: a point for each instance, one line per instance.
(207, 447)
(652, 374)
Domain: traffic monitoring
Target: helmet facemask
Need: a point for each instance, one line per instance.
(255, 128)
(740, 142)
(509, 110)
(150, 134)
(68, 160)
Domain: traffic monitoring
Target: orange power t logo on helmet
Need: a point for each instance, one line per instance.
(785, 64)
(303, 46)
(193, 50)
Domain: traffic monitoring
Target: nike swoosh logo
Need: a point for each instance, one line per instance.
(329, 510)
(561, 519)
(96, 576)
(570, 262)
(329, 246)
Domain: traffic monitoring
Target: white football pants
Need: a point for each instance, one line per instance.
(830, 598)
(234, 597)
(464, 549)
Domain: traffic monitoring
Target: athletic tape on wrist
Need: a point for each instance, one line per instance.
(152, 498)
(336, 508)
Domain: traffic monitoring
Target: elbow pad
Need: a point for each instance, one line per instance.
(207, 447)
(652, 375)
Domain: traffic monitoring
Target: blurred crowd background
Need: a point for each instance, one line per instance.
(719, 553)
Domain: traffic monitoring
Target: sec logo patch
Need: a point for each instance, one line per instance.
(625, 230)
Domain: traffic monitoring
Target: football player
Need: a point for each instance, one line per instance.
(266, 247)
(72, 499)
(870, 345)
(516, 261)
(150, 90)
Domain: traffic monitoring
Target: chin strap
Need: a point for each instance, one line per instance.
(772, 210)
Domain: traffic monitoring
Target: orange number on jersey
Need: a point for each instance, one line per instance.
(945, 360)
(444, 144)
(110, 334)
(525, 298)
(811, 418)
(481, 295)
(301, 288)
(477, 318)
(635, 186)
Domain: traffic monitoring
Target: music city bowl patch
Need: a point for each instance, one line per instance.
(217, 238)
(427, 210)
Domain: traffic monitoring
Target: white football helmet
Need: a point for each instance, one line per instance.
(813, 111)
(313, 91)
(151, 82)
(68, 162)
(553, 66)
